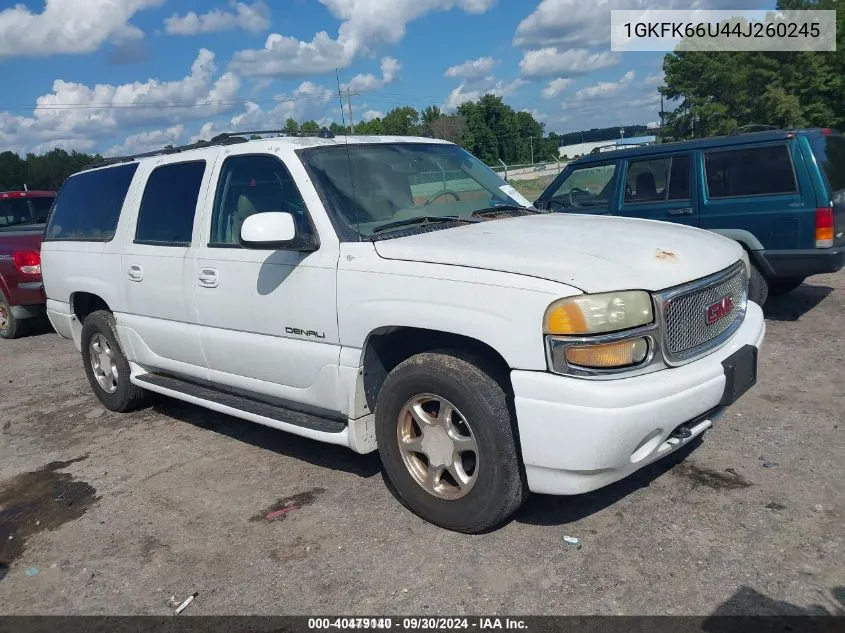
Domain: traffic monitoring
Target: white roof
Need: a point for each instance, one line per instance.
(297, 142)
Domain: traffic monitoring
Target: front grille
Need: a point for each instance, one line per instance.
(685, 314)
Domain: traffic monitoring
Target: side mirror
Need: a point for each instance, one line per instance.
(274, 230)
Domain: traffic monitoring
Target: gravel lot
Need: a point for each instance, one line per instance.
(114, 514)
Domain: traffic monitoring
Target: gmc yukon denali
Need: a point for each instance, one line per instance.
(395, 294)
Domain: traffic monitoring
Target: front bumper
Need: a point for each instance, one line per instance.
(579, 435)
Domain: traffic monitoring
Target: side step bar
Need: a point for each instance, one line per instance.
(296, 422)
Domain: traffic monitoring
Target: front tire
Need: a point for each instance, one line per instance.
(106, 366)
(446, 439)
(758, 288)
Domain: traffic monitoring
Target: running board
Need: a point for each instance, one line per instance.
(296, 422)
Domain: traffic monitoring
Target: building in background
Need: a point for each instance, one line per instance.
(580, 149)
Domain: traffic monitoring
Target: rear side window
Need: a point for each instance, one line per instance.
(166, 216)
(88, 205)
(751, 171)
(658, 179)
(830, 153)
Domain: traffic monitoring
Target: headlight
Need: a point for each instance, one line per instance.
(747, 263)
(597, 314)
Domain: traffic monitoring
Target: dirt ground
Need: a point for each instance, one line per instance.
(114, 514)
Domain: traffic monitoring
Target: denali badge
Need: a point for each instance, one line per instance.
(715, 311)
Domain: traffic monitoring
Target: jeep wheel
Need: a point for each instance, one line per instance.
(779, 287)
(758, 288)
(106, 366)
(446, 439)
(10, 326)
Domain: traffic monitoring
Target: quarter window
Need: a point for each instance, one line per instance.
(253, 184)
(753, 171)
(166, 216)
(658, 179)
(88, 205)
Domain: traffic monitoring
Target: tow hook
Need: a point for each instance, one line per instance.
(682, 432)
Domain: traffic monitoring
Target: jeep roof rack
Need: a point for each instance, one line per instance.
(224, 138)
(752, 127)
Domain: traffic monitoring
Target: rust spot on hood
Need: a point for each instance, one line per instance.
(665, 255)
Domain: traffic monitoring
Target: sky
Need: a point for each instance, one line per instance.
(126, 76)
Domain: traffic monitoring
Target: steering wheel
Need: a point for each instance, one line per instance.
(448, 192)
(575, 190)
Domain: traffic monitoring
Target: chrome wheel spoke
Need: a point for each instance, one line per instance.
(464, 444)
(456, 469)
(422, 417)
(413, 444)
(433, 477)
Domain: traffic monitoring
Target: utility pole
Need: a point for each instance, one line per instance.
(531, 138)
(351, 120)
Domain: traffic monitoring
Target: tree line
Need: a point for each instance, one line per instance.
(714, 93)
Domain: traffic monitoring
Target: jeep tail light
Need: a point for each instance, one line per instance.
(27, 262)
(824, 227)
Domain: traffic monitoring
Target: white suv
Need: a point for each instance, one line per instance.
(394, 294)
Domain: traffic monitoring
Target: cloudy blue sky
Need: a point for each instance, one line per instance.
(131, 75)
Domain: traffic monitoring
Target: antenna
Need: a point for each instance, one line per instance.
(348, 159)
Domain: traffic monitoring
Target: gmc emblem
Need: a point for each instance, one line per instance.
(715, 311)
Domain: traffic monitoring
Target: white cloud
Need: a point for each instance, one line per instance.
(473, 90)
(364, 24)
(472, 68)
(573, 23)
(254, 18)
(308, 101)
(68, 26)
(550, 62)
(78, 111)
(147, 141)
(369, 115)
(622, 102)
(389, 69)
(555, 87)
(604, 88)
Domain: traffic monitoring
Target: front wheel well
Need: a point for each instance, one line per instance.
(85, 303)
(388, 347)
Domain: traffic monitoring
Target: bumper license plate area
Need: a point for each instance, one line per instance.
(740, 374)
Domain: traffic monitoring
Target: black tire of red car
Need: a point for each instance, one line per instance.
(10, 326)
(758, 287)
(778, 287)
(127, 397)
(476, 391)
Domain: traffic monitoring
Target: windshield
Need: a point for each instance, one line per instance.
(20, 211)
(376, 189)
(585, 187)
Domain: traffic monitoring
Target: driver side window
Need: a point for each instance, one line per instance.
(587, 187)
(253, 184)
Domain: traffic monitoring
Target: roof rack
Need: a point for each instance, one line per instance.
(752, 127)
(225, 138)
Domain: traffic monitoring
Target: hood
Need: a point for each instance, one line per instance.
(592, 253)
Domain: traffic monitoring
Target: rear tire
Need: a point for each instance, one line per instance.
(106, 366)
(473, 468)
(758, 288)
(10, 326)
(778, 287)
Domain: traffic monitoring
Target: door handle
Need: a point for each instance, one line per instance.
(685, 211)
(207, 277)
(135, 273)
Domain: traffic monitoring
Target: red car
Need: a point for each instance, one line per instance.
(23, 216)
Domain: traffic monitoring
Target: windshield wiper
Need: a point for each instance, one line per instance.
(505, 209)
(425, 219)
